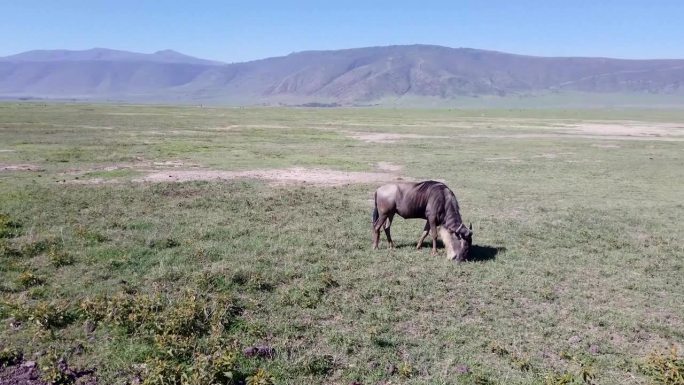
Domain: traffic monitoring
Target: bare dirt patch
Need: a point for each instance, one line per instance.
(138, 114)
(389, 167)
(87, 181)
(28, 373)
(552, 155)
(20, 375)
(503, 158)
(633, 129)
(605, 145)
(173, 163)
(234, 126)
(20, 167)
(321, 177)
(573, 135)
(105, 168)
(139, 165)
(385, 137)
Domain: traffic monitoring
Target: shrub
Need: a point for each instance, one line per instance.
(128, 311)
(28, 279)
(165, 243)
(53, 375)
(59, 258)
(191, 314)
(9, 357)
(665, 368)
(90, 235)
(36, 246)
(175, 325)
(217, 368)
(8, 227)
(319, 365)
(498, 349)
(328, 281)
(163, 372)
(406, 370)
(261, 377)
(7, 250)
(51, 316)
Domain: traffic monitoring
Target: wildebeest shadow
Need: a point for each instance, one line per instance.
(478, 253)
(412, 245)
(481, 253)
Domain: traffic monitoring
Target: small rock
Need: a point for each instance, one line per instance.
(15, 324)
(29, 364)
(594, 349)
(574, 339)
(390, 369)
(89, 326)
(462, 369)
(250, 351)
(62, 365)
(265, 351)
(262, 351)
(78, 349)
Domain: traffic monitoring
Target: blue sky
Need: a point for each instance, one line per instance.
(245, 30)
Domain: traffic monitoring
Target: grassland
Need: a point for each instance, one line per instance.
(576, 278)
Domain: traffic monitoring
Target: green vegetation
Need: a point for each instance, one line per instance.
(576, 278)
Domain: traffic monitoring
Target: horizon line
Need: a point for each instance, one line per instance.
(338, 49)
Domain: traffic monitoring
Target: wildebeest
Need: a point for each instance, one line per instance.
(429, 200)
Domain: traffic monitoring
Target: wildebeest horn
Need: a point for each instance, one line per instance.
(470, 226)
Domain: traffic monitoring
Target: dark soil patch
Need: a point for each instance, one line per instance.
(26, 373)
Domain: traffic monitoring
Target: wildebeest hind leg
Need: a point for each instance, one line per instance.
(422, 237)
(377, 225)
(388, 224)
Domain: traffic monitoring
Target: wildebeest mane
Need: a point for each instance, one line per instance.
(451, 217)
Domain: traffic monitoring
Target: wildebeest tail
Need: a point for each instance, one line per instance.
(375, 208)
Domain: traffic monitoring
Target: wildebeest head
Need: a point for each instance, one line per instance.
(458, 242)
(464, 241)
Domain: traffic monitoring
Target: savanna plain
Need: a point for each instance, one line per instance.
(188, 245)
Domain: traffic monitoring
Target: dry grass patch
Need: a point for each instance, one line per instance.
(20, 167)
(385, 137)
(316, 176)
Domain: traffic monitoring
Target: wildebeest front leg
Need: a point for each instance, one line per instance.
(422, 237)
(433, 232)
(377, 225)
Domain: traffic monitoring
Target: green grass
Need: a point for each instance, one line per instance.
(578, 278)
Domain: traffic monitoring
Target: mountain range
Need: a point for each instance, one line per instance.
(358, 76)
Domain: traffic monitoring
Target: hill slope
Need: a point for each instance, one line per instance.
(358, 75)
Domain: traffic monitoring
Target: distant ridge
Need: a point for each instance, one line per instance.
(104, 54)
(340, 77)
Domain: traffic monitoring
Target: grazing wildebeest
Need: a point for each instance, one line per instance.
(429, 200)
